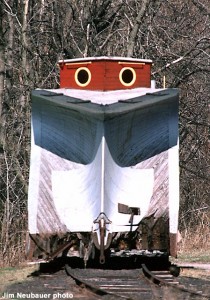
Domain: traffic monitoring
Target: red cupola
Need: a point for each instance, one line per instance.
(105, 73)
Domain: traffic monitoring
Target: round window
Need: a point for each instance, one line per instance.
(127, 76)
(82, 76)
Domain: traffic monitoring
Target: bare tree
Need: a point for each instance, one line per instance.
(134, 32)
(35, 34)
(1, 58)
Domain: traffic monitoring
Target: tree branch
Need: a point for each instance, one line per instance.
(201, 7)
(135, 29)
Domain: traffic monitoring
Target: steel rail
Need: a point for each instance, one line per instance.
(94, 288)
(162, 278)
(127, 285)
(123, 286)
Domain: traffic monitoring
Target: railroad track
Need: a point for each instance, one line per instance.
(120, 283)
(132, 284)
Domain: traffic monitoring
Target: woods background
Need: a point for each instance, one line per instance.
(34, 34)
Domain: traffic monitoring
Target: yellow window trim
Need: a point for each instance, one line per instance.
(76, 76)
(121, 74)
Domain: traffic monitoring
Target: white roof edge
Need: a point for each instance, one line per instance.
(105, 97)
(119, 58)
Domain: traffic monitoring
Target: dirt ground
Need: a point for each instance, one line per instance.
(27, 283)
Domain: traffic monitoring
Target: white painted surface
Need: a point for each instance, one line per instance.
(129, 186)
(33, 189)
(107, 97)
(77, 192)
(102, 173)
(173, 165)
(81, 194)
(97, 58)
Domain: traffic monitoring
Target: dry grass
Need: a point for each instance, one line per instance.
(195, 245)
(200, 256)
(12, 275)
(196, 238)
(194, 251)
(194, 248)
(196, 273)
